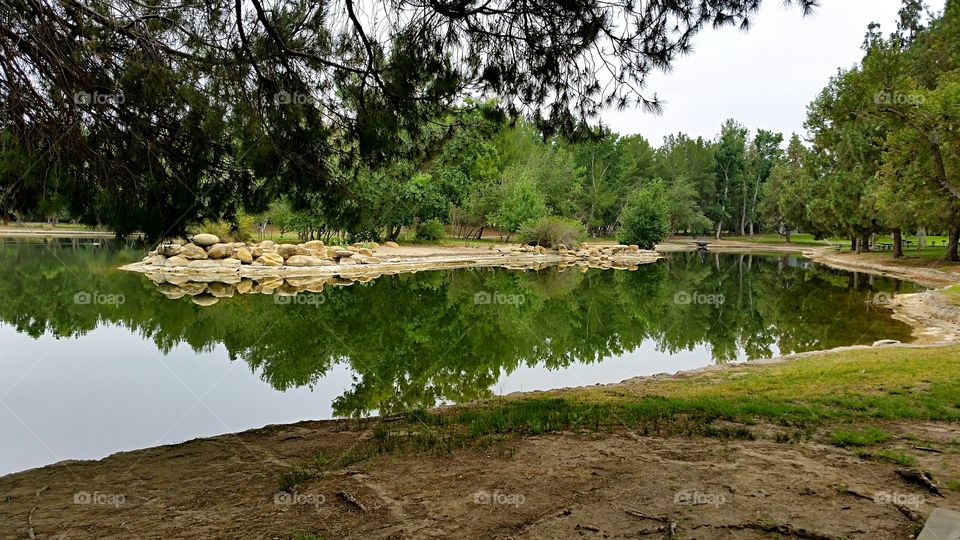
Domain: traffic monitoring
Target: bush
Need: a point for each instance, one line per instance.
(645, 218)
(552, 230)
(431, 230)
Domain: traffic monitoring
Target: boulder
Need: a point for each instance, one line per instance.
(370, 260)
(245, 286)
(306, 260)
(270, 259)
(220, 290)
(168, 250)
(205, 300)
(176, 260)
(205, 239)
(541, 250)
(270, 283)
(289, 250)
(155, 260)
(633, 247)
(238, 244)
(391, 244)
(344, 253)
(243, 255)
(268, 244)
(313, 244)
(348, 260)
(193, 288)
(193, 252)
(170, 291)
(365, 252)
(220, 251)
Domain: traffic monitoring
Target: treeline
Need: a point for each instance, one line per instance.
(487, 174)
(885, 155)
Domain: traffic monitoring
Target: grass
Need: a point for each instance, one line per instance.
(893, 456)
(953, 294)
(869, 385)
(866, 437)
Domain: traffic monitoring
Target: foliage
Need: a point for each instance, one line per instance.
(551, 231)
(432, 230)
(645, 219)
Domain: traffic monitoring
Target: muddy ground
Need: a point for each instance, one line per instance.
(619, 484)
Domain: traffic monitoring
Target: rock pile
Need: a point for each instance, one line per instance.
(207, 251)
(283, 289)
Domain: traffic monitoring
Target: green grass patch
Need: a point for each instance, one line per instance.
(953, 294)
(892, 456)
(294, 477)
(802, 394)
(866, 437)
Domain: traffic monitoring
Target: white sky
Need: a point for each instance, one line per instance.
(764, 78)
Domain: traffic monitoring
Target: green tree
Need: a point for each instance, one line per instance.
(645, 218)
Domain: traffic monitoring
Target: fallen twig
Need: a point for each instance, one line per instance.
(352, 500)
(920, 477)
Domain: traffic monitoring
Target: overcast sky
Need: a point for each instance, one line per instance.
(765, 77)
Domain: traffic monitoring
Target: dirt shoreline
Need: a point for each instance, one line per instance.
(570, 484)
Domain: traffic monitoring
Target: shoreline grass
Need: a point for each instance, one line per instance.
(855, 389)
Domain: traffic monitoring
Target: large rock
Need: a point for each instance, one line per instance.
(193, 252)
(313, 244)
(221, 290)
(365, 252)
(268, 245)
(244, 255)
(348, 260)
(343, 253)
(206, 239)
(269, 259)
(289, 250)
(170, 291)
(220, 251)
(155, 260)
(205, 300)
(245, 286)
(370, 260)
(176, 260)
(193, 288)
(306, 260)
(391, 244)
(168, 250)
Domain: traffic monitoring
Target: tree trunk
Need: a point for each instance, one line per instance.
(787, 235)
(719, 227)
(864, 243)
(951, 254)
(853, 244)
(897, 244)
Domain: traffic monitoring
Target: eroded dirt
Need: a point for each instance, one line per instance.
(567, 485)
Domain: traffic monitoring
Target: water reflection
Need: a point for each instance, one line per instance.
(414, 340)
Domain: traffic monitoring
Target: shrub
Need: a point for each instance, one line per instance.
(431, 229)
(645, 218)
(552, 230)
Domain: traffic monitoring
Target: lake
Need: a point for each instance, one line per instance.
(95, 360)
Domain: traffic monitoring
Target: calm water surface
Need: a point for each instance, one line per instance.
(94, 360)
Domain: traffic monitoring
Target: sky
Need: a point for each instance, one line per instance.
(765, 77)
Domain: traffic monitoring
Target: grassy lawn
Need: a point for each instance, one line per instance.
(849, 392)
